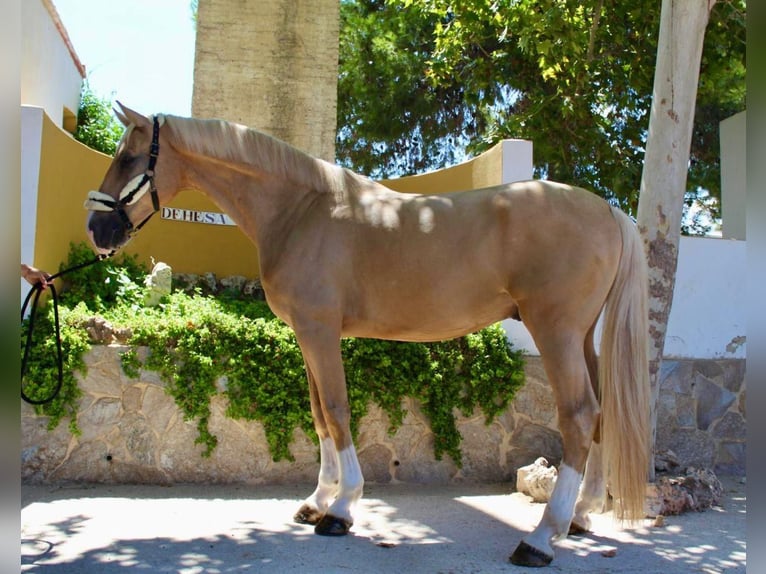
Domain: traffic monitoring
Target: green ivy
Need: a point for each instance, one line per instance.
(130, 363)
(41, 377)
(202, 346)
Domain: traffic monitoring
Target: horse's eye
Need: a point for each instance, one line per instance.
(127, 161)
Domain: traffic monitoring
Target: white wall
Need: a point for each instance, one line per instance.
(707, 319)
(31, 143)
(50, 78)
(517, 160)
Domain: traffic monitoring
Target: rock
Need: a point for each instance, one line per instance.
(186, 281)
(376, 464)
(122, 335)
(159, 284)
(530, 441)
(665, 497)
(481, 447)
(210, 282)
(698, 490)
(99, 330)
(665, 461)
(537, 480)
(712, 401)
(234, 283)
(703, 487)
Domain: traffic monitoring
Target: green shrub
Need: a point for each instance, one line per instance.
(101, 285)
(202, 346)
(42, 368)
(97, 127)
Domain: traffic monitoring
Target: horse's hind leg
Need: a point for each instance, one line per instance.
(316, 505)
(592, 494)
(593, 491)
(565, 365)
(342, 476)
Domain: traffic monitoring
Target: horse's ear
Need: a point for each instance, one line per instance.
(120, 116)
(128, 116)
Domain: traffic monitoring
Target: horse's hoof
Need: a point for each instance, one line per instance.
(332, 526)
(307, 515)
(527, 555)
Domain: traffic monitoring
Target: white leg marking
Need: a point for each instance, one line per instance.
(563, 498)
(558, 512)
(351, 485)
(593, 492)
(329, 473)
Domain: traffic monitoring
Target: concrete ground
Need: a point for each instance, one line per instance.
(401, 529)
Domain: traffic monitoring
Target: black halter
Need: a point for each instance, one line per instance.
(98, 201)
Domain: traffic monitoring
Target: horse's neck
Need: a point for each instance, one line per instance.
(260, 182)
(260, 203)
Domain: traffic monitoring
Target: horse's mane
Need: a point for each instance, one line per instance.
(238, 143)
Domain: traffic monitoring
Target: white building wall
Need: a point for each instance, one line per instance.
(31, 144)
(50, 77)
(517, 161)
(708, 318)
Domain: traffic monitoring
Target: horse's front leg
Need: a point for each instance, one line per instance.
(316, 505)
(340, 475)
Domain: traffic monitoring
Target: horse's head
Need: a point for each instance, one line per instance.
(127, 197)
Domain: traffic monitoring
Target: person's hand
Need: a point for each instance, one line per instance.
(34, 275)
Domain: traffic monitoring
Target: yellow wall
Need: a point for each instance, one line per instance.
(482, 171)
(68, 170)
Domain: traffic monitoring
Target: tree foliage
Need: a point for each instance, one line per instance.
(97, 127)
(424, 81)
(392, 119)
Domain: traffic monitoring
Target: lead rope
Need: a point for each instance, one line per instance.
(34, 296)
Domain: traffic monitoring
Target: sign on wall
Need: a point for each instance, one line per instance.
(194, 216)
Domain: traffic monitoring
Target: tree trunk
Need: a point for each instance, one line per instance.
(271, 65)
(666, 162)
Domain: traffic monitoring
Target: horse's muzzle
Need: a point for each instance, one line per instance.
(107, 231)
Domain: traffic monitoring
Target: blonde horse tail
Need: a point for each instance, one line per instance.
(624, 378)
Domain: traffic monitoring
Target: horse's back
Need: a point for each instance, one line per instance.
(428, 267)
(520, 235)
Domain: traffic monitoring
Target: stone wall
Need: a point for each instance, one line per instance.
(133, 432)
(701, 413)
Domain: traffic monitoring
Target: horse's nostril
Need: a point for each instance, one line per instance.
(106, 231)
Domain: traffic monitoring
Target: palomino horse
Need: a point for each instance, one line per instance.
(342, 256)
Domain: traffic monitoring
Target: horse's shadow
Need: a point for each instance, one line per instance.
(425, 529)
